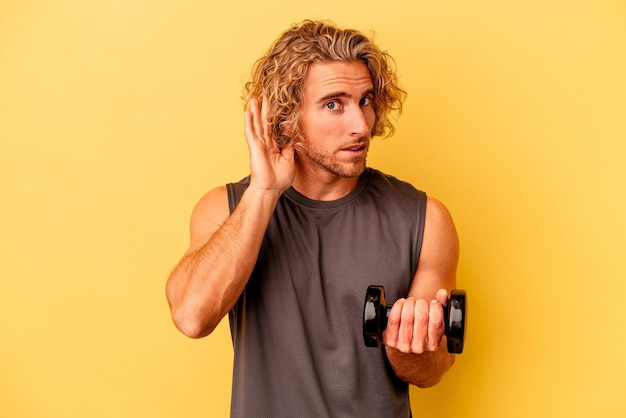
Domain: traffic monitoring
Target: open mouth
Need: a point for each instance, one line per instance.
(355, 148)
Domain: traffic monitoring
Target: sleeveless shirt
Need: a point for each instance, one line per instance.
(297, 328)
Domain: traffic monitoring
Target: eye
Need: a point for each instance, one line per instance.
(365, 101)
(332, 105)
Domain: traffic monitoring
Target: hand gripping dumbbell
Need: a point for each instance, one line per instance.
(376, 314)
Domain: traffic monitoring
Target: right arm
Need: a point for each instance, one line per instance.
(224, 248)
(208, 280)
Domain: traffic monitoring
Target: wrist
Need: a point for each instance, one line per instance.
(264, 197)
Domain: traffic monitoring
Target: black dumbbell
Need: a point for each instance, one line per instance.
(376, 313)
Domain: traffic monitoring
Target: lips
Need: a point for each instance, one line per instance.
(355, 148)
(358, 147)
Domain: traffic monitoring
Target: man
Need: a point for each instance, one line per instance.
(289, 251)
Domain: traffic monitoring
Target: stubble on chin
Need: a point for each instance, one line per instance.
(328, 164)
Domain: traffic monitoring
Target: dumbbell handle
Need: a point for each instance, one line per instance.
(376, 315)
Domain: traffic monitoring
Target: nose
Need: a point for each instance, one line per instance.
(359, 124)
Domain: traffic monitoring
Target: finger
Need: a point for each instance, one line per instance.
(407, 322)
(420, 326)
(442, 297)
(390, 335)
(265, 125)
(248, 128)
(257, 125)
(435, 326)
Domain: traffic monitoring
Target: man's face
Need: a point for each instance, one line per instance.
(337, 118)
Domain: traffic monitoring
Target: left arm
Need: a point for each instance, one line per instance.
(414, 338)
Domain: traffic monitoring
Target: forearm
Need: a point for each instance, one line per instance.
(423, 370)
(208, 280)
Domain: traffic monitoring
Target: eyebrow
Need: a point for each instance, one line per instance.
(338, 94)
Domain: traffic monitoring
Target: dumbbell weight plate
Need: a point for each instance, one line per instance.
(375, 314)
(456, 321)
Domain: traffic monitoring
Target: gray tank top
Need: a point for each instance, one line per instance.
(297, 327)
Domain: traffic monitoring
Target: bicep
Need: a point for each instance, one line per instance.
(207, 217)
(439, 254)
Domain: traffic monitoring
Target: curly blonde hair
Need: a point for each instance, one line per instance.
(279, 75)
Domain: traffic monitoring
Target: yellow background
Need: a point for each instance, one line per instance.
(116, 116)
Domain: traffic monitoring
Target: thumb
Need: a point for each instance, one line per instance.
(442, 297)
(288, 152)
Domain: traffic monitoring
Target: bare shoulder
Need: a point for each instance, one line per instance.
(208, 215)
(440, 236)
(438, 215)
(439, 254)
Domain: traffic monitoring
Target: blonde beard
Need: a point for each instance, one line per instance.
(326, 162)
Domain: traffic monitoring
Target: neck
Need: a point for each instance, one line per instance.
(316, 186)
